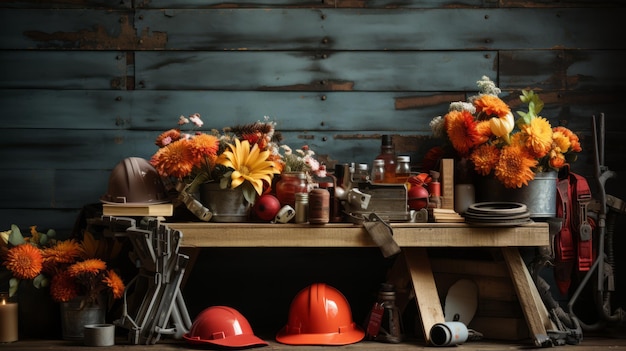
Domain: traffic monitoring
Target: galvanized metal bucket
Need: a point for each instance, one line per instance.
(227, 205)
(539, 195)
(74, 318)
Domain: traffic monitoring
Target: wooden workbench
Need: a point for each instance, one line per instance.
(413, 238)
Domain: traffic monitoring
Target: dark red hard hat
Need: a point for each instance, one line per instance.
(135, 181)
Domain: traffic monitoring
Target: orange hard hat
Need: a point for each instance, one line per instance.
(320, 315)
(222, 326)
(135, 181)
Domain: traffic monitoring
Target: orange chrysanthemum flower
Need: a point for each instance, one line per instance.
(573, 138)
(514, 167)
(560, 142)
(538, 136)
(63, 252)
(167, 137)
(557, 159)
(432, 157)
(278, 162)
(461, 129)
(204, 149)
(115, 283)
(175, 159)
(491, 105)
(485, 157)
(25, 261)
(63, 287)
(92, 266)
(483, 132)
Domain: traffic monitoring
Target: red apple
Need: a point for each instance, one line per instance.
(266, 207)
(417, 197)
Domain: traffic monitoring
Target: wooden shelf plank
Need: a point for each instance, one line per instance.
(350, 235)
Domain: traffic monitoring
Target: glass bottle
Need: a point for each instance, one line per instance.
(388, 154)
(403, 169)
(378, 171)
(289, 184)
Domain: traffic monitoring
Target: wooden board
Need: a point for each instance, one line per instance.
(426, 297)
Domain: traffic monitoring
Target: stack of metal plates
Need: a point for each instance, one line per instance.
(497, 214)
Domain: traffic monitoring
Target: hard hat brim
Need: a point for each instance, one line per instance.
(349, 337)
(242, 340)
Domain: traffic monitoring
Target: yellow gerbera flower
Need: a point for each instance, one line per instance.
(538, 136)
(249, 164)
(514, 168)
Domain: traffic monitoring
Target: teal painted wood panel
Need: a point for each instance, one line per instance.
(101, 150)
(384, 29)
(196, 4)
(312, 29)
(61, 220)
(65, 29)
(159, 110)
(61, 189)
(572, 70)
(63, 70)
(362, 70)
(65, 109)
(60, 4)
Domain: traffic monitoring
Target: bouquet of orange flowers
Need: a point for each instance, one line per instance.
(70, 268)
(484, 131)
(244, 156)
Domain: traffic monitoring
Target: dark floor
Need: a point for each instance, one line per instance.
(589, 344)
(613, 338)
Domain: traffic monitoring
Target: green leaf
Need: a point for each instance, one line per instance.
(14, 283)
(16, 237)
(249, 193)
(40, 281)
(51, 233)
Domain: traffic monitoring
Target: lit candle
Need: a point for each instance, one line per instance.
(8, 319)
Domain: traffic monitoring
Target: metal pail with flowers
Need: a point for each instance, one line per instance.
(226, 205)
(75, 315)
(539, 195)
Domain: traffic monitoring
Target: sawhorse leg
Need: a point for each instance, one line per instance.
(535, 312)
(422, 286)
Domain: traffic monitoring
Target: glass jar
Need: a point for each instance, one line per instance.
(378, 171)
(403, 169)
(289, 184)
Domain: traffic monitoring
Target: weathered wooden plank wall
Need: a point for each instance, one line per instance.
(86, 83)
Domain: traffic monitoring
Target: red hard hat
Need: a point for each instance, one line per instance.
(320, 315)
(222, 326)
(134, 181)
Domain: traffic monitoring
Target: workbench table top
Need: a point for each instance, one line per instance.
(201, 234)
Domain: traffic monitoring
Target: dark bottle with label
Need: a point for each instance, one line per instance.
(388, 154)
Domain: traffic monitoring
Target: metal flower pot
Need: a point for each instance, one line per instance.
(227, 205)
(539, 195)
